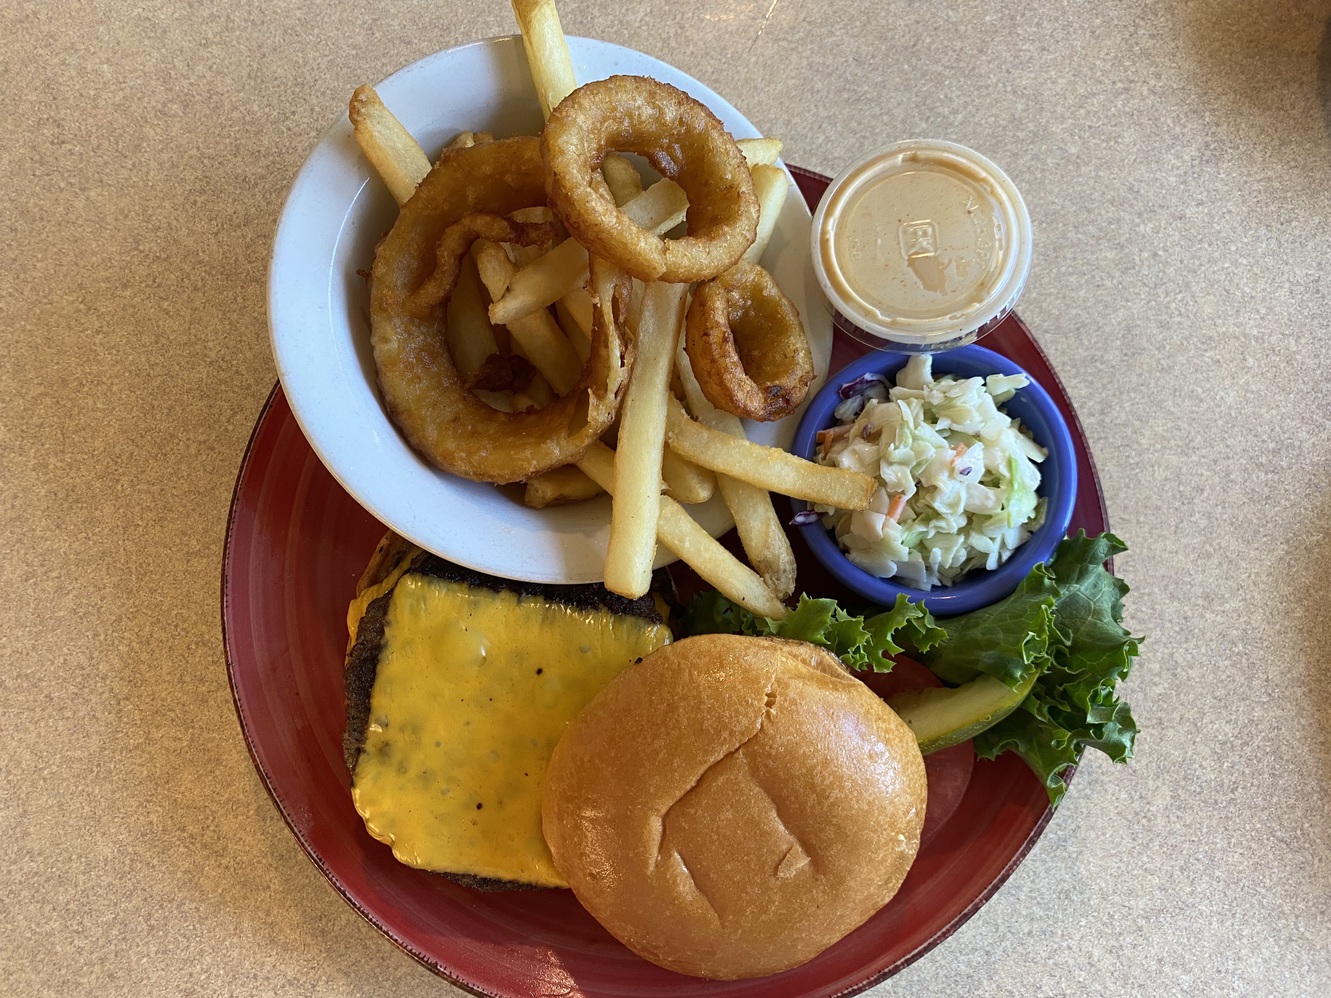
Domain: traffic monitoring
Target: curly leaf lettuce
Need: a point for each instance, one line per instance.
(1074, 703)
(860, 642)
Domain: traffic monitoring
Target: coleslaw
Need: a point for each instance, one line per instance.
(957, 476)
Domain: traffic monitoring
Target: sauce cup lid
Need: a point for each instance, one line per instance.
(923, 245)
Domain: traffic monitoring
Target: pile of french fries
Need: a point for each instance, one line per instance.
(667, 451)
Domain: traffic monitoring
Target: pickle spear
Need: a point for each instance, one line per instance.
(945, 716)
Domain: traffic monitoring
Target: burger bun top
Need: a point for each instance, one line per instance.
(732, 806)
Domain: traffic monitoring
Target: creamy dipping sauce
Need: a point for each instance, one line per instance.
(925, 245)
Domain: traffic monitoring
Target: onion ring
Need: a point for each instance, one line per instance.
(685, 142)
(747, 345)
(422, 391)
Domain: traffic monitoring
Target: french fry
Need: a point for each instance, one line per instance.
(684, 481)
(502, 338)
(465, 140)
(771, 185)
(578, 302)
(542, 341)
(534, 396)
(559, 487)
(622, 178)
(467, 328)
(500, 401)
(538, 391)
(394, 154)
(759, 528)
(759, 151)
(633, 515)
(635, 302)
(769, 468)
(571, 321)
(544, 281)
(548, 56)
(660, 207)
(699, 550)
(523, 255)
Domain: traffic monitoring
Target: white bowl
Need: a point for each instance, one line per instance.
(318, 309)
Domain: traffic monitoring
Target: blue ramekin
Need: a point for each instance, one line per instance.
(1058, 482)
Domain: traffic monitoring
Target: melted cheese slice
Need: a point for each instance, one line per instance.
(472, 691)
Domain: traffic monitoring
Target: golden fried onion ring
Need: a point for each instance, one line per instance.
(685, 142)
(422, 390)
(747, 345)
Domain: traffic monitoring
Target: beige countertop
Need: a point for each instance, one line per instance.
(1176, 161)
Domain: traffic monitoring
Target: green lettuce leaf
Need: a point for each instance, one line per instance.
(1007, 640)
(1081, 652)
(860, 642)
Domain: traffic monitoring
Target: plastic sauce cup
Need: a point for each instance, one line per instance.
(922, 246)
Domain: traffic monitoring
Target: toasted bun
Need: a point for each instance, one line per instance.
(732, 806)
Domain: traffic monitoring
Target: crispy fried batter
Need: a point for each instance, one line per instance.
(747, 345)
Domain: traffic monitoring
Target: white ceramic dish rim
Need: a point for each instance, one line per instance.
(319, 324)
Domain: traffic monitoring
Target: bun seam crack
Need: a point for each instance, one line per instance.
(661, 819)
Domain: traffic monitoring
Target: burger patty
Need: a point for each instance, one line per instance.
(366, 651)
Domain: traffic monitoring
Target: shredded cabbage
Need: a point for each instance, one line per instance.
(957, 477)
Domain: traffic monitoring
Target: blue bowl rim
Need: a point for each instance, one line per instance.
(981, 588)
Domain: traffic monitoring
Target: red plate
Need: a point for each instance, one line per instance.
(296, 544)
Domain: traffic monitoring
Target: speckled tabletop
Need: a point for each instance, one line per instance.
(1176, 161)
